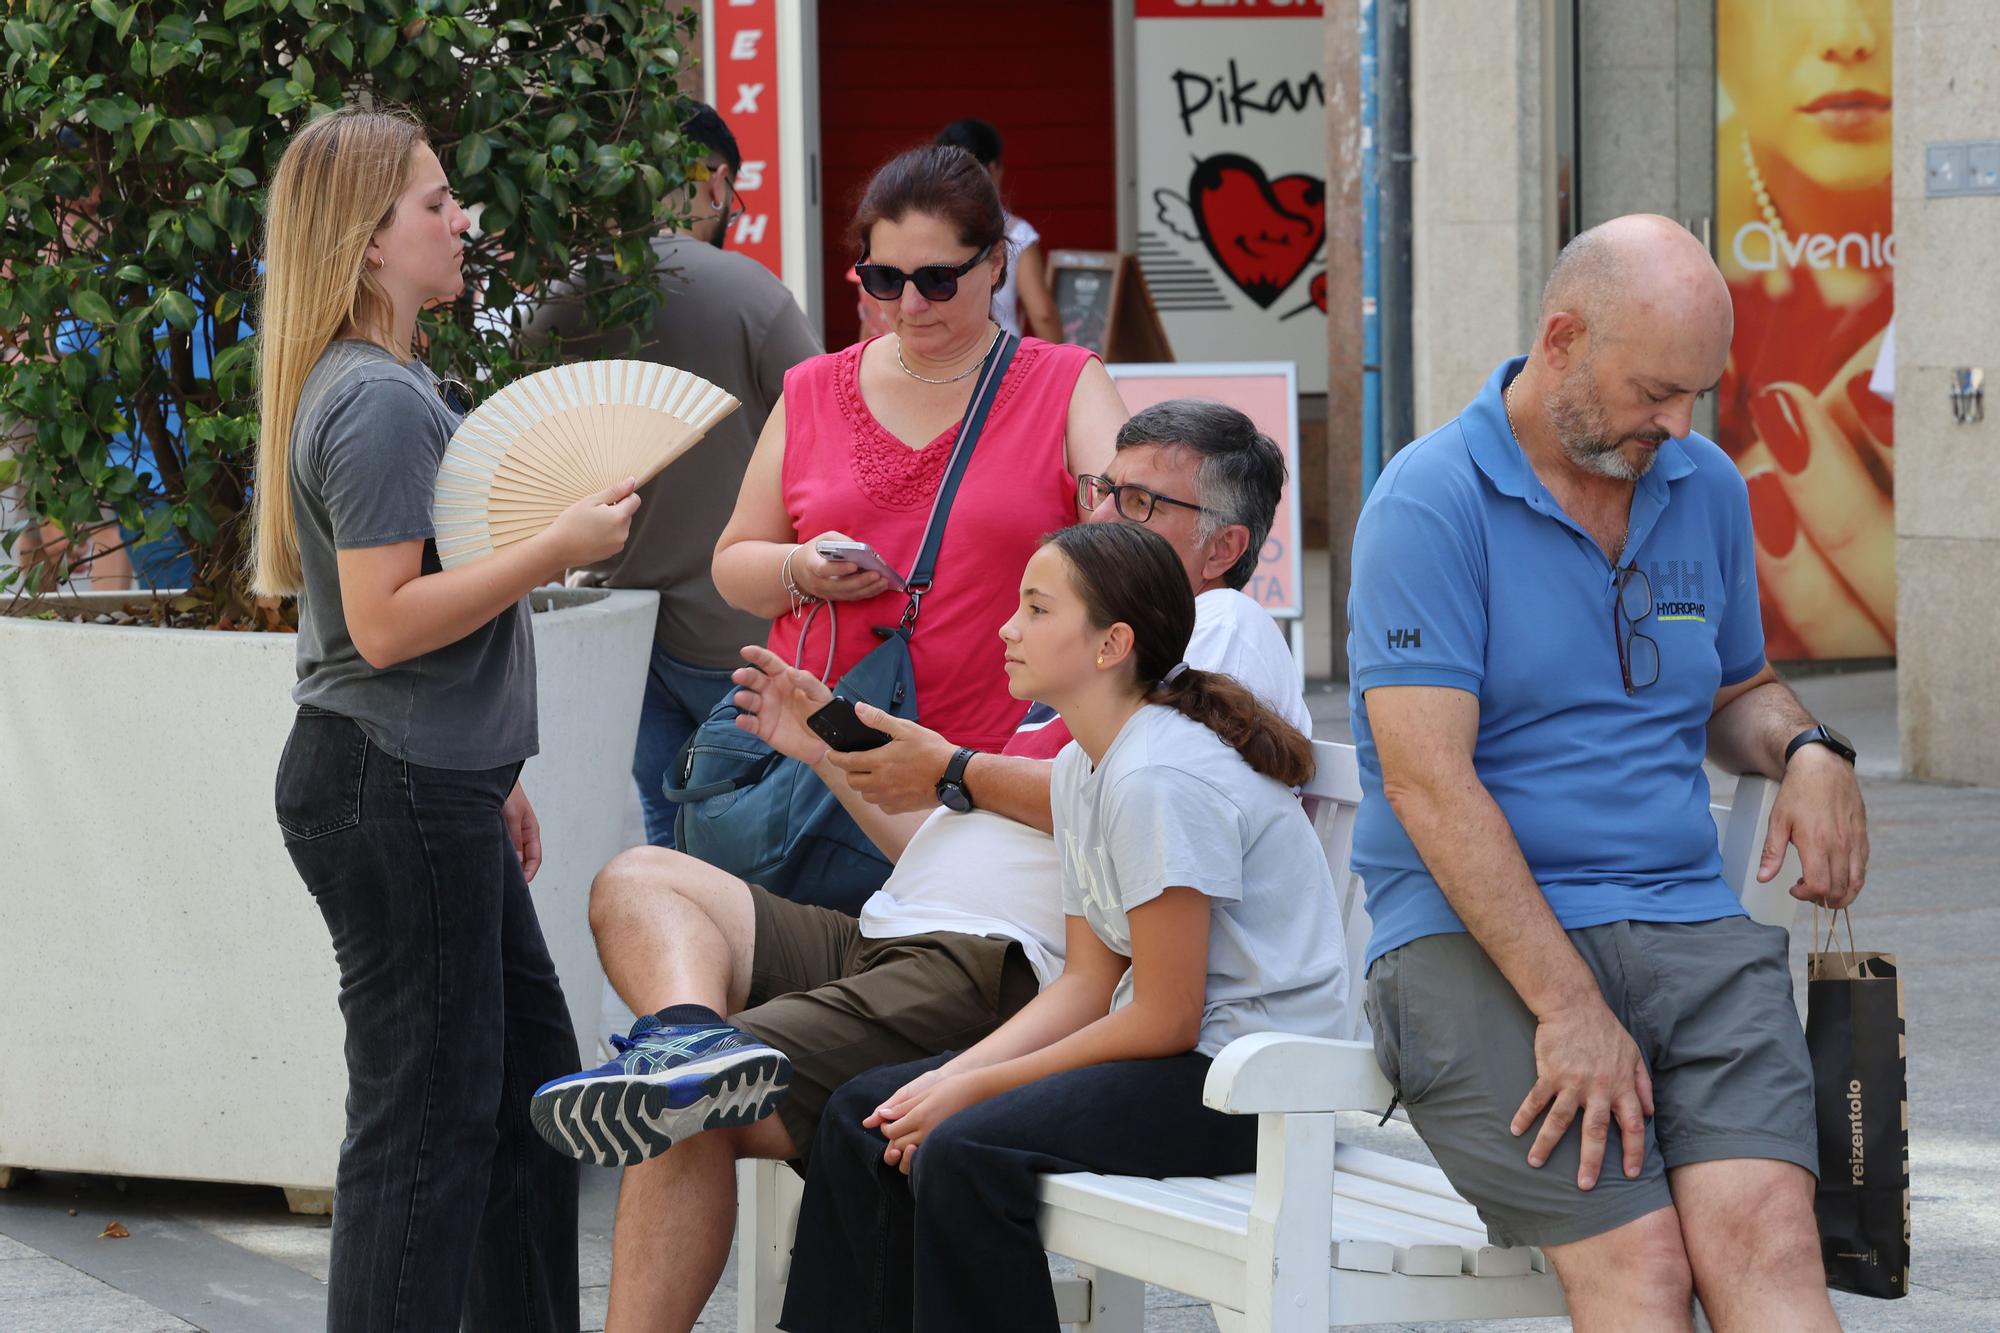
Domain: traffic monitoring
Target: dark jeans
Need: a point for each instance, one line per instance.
(446, 1204)
(679, 698)
(952, 1248)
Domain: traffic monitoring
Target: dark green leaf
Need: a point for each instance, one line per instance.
(376, 49)
(242, 178)
(177, 306)
(199, 230)
(106, 114)
(175, 28)
(561, 126)
(89, 305)
(130, 273)
(474, 152)
(236, 7)
(10, 468)
(142, 127)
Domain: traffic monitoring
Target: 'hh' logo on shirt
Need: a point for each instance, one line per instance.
(1092, 869)
(1678, 593)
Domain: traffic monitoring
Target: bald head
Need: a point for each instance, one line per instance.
(1639, 271)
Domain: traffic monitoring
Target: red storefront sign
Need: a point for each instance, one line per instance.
(1229, 9)
(745, 34)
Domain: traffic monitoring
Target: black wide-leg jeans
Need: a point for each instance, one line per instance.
(447, 1206)
(953, 1248)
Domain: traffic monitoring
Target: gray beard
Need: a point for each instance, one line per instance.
(1582, 432)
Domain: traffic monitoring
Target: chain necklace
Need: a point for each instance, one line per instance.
(969, 370)
(1762, 192)
(1507, 407)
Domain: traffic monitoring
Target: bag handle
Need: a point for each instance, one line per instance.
(1834, 916)
(998, 357)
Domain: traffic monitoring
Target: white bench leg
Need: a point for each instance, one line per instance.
(1291, 1215)
(767, 1213)
(1117, 1303)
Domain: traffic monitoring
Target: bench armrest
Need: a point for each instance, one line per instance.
(1275, 1072)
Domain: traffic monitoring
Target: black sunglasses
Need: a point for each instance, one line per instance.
(1638, 655)
(935, 282)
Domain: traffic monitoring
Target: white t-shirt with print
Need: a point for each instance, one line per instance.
(979, 873)
(1171, 806)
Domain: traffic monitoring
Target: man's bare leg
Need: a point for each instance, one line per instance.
(674, 930)
(1753, 1244)
(1634, 1277)
(676, 1215)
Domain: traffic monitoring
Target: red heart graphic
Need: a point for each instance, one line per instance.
(1319, 290)
(1262, 232)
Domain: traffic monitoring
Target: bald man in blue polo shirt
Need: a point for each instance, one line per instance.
(1554, 617)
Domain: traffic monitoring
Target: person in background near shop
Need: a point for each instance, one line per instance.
(1802, 177)
(398, 792)
(726, 318)
(1023, 303)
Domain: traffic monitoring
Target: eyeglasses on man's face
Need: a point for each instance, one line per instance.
(1638, 655)
(935, 282)
(1135, 503)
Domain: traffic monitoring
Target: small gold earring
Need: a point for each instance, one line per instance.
(374, 262)
(1100, 659)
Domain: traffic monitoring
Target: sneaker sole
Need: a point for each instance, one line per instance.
(624, 1119)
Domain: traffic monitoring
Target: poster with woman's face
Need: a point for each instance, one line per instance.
(1804, 237)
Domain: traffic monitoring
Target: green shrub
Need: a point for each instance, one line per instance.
(135, 142)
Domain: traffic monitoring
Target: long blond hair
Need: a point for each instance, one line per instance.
(335, 186)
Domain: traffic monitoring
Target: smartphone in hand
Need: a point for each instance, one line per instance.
(837, 725)
(862, 556)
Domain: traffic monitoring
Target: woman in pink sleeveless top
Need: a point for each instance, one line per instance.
(856, 448)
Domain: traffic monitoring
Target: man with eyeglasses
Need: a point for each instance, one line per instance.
(973, 862)
(1554, 617)
(726, 318)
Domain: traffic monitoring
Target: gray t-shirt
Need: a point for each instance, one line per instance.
(725, 318)
(1172, 806)
(366, 443)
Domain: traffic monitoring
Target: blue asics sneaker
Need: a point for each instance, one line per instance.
(667, 1081)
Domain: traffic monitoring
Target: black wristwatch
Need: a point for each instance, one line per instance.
(951, 791)
(1821, 735)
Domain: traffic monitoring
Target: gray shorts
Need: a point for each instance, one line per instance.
(1709, 1004)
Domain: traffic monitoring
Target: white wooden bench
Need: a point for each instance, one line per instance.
(1276, 1249)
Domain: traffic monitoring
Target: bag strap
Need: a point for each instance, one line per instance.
(998, 357)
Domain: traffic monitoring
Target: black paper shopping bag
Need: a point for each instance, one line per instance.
(1854, 1029)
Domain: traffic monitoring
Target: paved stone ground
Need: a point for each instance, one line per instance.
(228, 1258)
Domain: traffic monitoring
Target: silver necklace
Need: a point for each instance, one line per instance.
(1507, 409)
(953, 379)
(1762, 192)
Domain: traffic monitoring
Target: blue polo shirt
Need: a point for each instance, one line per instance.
(1469, 575)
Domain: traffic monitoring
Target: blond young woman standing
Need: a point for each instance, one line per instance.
(398, 790)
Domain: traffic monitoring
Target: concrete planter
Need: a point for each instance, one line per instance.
(167, 989)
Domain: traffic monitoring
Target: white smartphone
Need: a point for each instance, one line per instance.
(862, 556)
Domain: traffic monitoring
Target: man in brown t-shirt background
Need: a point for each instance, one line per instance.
(726, 318)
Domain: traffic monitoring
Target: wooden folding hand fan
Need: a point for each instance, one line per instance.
(548, 440)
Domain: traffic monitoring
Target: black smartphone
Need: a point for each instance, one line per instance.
(837, 725)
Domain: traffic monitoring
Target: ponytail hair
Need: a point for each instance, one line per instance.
(1132, 575)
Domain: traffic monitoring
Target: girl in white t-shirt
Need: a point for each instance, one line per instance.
(1199, 908)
